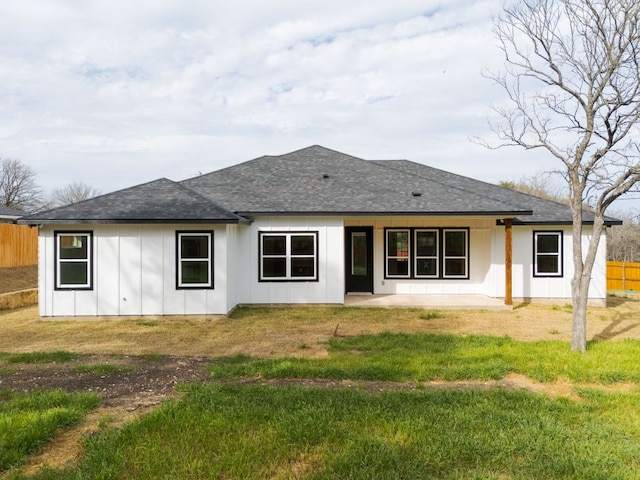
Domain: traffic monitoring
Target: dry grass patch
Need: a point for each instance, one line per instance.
(295, 331)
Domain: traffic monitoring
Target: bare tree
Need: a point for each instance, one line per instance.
(538, 185)
(72, 193)
(572, 75)
(623, 241)
(18, 187)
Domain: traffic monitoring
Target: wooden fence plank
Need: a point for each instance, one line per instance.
(18, 245)
(623, 276)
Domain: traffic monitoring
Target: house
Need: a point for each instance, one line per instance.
(307, 227)
(9, 215)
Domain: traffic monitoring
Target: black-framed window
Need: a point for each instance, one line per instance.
(547, 253)
(424, 253)
(455, 253)
(74, 260)
(288, 256)
(427, 248)
(194, 259)
(397, 253)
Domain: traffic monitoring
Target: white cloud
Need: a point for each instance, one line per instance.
(116, 93)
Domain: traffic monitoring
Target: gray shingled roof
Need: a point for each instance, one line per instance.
(8, 212)
(311, 181)
(317, 180)
(544, 211)
(159, 201)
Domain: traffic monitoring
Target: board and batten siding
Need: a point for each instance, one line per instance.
(134, 273)
(525, 285)
(244, 261)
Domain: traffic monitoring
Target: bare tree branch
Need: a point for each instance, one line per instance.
(18, 187)
(572, 77)
(72, 193)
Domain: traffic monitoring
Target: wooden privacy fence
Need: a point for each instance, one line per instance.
(18, 245)
(623, 276)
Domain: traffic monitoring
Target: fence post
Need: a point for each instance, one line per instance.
(624, 276)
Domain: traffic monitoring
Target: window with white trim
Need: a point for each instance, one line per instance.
(455, 255)
(547, 254)
(73, 260)
(397, 253)
(194, 259)
(423, 253)
(288, 256)
(426, 257)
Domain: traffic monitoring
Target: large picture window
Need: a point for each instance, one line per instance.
(427, 253)
(194, 259)
(547, 254)
(288, 256)
(73, 260)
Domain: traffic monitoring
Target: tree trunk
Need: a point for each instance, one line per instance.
(580, 293)
(583, 267)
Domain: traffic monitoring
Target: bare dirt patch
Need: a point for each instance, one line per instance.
(137, 386)
(15, 279)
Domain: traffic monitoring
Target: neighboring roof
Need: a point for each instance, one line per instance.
(160, 201)
(10, 213)
(319, 181)
(311, 181)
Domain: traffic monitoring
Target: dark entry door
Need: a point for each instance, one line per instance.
(359, 259)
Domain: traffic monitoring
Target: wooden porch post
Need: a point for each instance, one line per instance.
(508, 261)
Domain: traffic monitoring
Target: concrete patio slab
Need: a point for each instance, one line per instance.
(445, 302)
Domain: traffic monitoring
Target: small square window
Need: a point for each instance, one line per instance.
(426, 267)
(194, 246)
(302, 245)
(274, 267)
(274, 245)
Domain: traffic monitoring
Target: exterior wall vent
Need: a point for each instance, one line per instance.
(416, 193)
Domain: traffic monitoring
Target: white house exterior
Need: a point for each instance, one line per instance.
(310, 233)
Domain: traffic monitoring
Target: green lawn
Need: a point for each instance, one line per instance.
(295, 432)
(28, 420)
(421, 357)
(246, 430)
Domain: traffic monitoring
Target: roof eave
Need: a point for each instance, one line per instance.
(106, 221)
(507, 213)
(607, 223)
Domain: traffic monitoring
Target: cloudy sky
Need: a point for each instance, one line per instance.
(115, 93)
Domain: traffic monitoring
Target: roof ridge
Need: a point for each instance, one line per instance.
(201, 197)
(379, 162)
(480, 181)
(262, 157)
